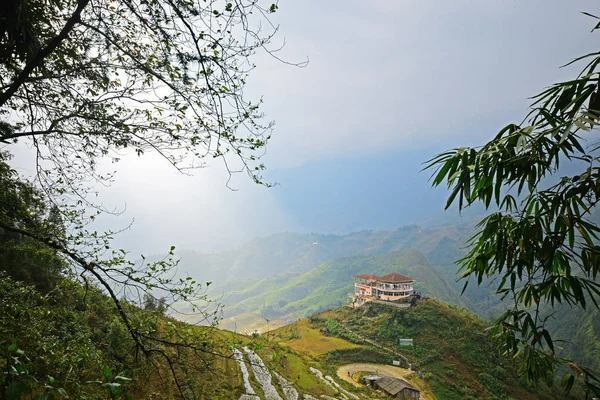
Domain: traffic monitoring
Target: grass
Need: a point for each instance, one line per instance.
(452, 348)
(300, 336)
(251, 322)
(295, 369)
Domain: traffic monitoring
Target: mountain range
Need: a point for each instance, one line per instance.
(273, 281)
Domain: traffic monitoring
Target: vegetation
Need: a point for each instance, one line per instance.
(577, 334)
(451, 348)
(70, 342)
(328, 285)
(84, 79)
(84, 82)
(307, 337)
(279, 255)
(543, 242)
(576, 340)
(58, 330)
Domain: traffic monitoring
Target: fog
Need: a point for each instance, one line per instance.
(385, 79)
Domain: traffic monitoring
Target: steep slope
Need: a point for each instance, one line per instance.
(69, 344)
(577, 333)
(282, 297)
(452, 349)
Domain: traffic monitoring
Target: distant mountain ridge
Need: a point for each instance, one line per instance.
(298, 253)
(270, 275)
(328, 285)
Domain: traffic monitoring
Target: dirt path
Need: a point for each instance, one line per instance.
(384, 370)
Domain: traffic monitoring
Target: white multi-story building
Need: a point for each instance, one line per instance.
(390, 287)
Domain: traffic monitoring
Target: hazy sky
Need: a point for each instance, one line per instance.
(396, 75)
(385, 78)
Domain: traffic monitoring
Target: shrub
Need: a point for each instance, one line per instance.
(492, 385)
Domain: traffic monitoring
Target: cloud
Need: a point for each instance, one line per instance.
(195, 211)
(384, 77)
(408, 74)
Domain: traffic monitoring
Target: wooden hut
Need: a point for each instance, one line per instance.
(371, 379)
(397, 388)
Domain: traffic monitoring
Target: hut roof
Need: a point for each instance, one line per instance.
(393, 386)
(372, 377)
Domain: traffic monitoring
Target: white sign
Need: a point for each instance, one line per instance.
(396, 362)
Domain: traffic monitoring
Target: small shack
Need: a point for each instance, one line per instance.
(371, 379)
(397, 388)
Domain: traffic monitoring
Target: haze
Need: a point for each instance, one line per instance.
(389, 84)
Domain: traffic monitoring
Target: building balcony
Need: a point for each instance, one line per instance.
(402, 289)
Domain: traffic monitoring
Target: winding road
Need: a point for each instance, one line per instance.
(384, 370)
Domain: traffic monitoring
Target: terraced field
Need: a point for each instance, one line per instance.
(251, 322)
(260, 382)
(300, 336)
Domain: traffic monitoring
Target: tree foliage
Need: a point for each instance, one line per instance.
(85, 81)
(24, 258)
(48, 320)
(89, 79)
(49, 344)
(541, 242)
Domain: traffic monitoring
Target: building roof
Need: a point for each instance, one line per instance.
(393, 386)
(366, 276)
(394, 278)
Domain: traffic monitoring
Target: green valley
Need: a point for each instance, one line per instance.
(328, 285)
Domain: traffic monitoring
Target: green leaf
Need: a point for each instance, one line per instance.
(565, 98)
(568, 381)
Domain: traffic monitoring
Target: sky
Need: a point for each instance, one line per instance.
(388, 85)
(408, 75)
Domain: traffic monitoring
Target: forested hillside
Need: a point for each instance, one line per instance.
(277, 254)
(61, 336)
(278, 258)
(268, 302)
(451, 349)
(298, 253)
(577, 332)
(328, 285)
(69, 342)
